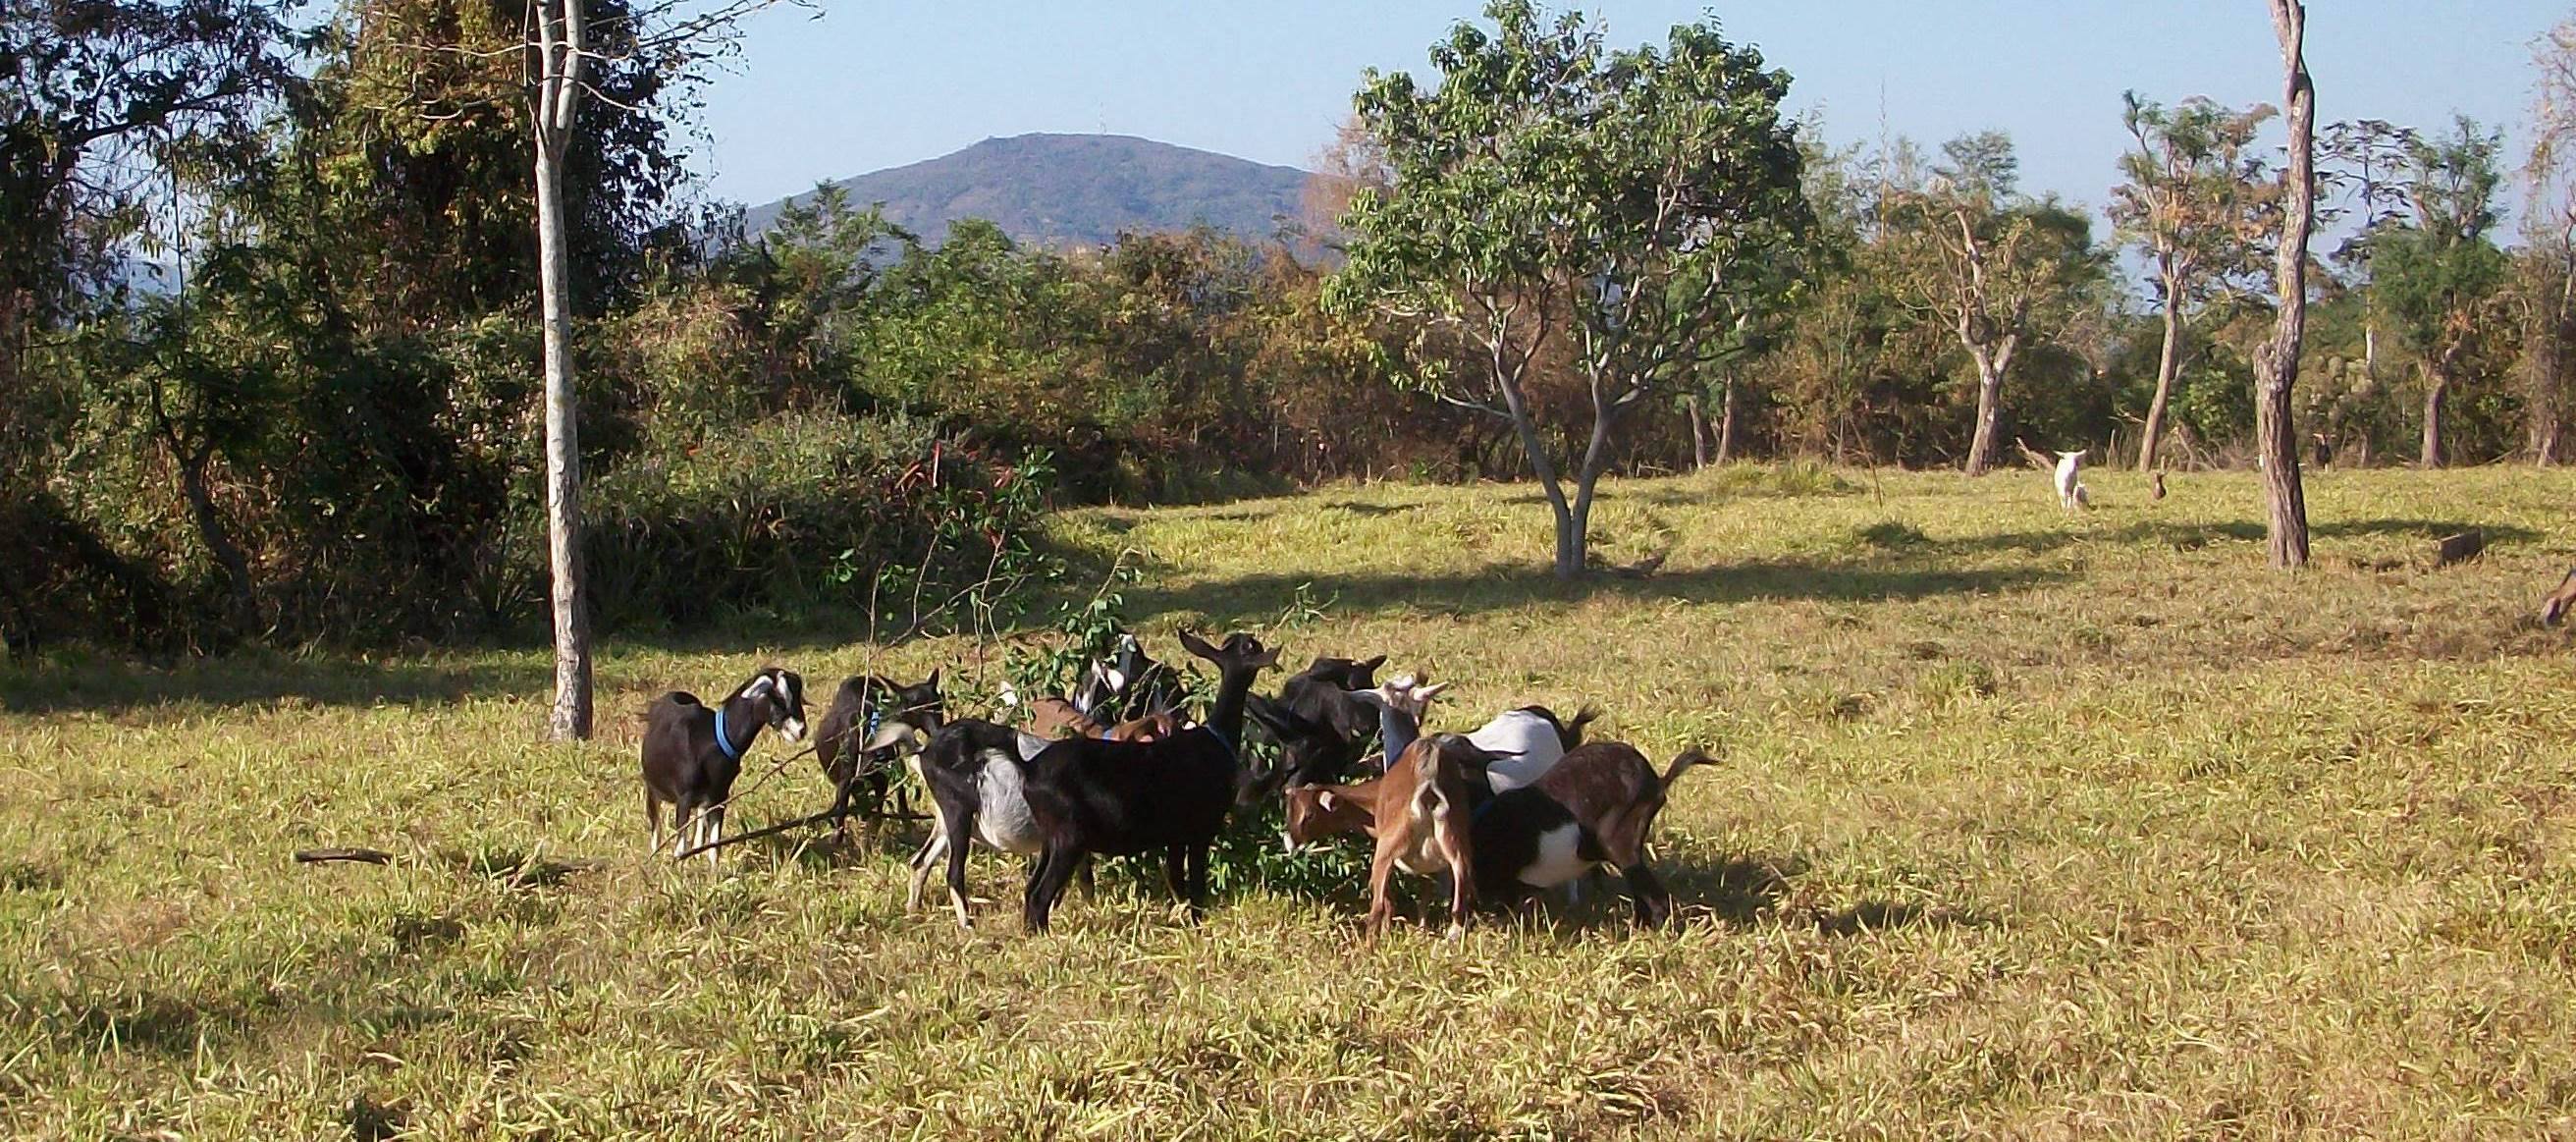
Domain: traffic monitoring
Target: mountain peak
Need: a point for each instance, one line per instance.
(1064, 190)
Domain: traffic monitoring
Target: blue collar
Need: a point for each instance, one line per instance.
(724, 741)
(1230, 751)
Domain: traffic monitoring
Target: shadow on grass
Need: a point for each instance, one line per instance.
(2193, 536)
(111, 686)
(1509, 586)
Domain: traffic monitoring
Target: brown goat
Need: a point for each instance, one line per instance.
(1150, 728)
(1420, 814)
(1057, 718)
(1613, 790)
(2555, 606)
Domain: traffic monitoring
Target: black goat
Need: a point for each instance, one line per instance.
(1323, 730)
(692, 752)
(859, 737)
(1171, 796)
(1127, 685)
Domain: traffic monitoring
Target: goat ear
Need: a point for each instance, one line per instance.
(761, 684)
(1371, 664)
(1427, 693)
(1324, 799)
(1196, 645)
(933, 682)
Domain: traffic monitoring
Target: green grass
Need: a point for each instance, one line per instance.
(2027, 825)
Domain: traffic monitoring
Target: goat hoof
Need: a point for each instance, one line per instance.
(1456, 932)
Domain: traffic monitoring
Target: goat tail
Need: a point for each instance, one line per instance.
(1682, 762)
(1584, 716)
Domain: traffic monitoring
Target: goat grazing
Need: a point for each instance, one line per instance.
(869, 718)
(2555, 606)
(1124, 798)
(973, 771)
(692, 753)
(1419, 812)
(1615, 792)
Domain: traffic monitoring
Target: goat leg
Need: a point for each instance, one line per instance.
(1046, 885)
(961, 837)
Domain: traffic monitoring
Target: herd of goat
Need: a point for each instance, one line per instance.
(1520, 805)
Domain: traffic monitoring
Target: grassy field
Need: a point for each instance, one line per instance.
(2027, 825)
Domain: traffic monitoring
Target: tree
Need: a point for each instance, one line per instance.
(554, 104)
(1551, 188)
(2547, 264)
(2437, 276)
(2276, 366)
(2196, 203)
(1998, 273)
(2370, 158)
(670, 40)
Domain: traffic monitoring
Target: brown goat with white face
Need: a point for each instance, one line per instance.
(2555, 607)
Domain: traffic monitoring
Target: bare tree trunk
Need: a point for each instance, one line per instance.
(1726, 426)
(2437, 386)
(2545, 358)
(1991, 364)
(2276, 367)
(1699, 431)
(2167, 364)
(561, 35)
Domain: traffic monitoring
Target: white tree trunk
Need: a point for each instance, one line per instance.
(554, 108)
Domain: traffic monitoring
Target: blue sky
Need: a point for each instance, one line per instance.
(874, 85)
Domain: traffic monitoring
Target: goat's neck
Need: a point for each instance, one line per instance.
(1226, 715)
(741, 723)
(1396, 729)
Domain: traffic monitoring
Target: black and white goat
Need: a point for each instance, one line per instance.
(1127, 685)
(871, 719)
(1094, 797)
(973, 769)
(693, 752)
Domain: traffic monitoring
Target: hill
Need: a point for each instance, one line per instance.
(1075, 190)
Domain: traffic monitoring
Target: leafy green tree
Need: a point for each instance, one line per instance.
(2197, 202)
(1552, 188)
(1999, 273)
(2438, 276)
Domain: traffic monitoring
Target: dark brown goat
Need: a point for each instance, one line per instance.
(1615, 792)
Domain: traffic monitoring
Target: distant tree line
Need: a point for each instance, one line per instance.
(269, 337)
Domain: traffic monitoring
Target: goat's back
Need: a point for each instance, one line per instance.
(1530, 738)
(1592, 781)
(1132, 797)
(839, 733)
(680, 758)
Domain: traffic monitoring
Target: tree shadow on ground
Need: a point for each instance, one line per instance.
(2183, 536)
(1509, 586)
(108, 686)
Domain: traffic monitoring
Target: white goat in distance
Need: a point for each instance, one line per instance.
(2071, 493)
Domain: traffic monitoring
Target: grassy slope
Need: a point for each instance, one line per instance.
(2029, 825)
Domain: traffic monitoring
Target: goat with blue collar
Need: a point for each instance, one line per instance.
(693, 752)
